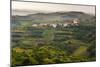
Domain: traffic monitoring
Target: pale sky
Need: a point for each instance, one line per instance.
(25, 8)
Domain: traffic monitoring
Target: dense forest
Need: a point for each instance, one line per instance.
(48, 45)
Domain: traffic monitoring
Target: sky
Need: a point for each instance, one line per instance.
(25, 8)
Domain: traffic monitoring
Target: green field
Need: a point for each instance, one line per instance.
(47, 45)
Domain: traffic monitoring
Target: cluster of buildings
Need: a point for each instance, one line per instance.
(54, 25)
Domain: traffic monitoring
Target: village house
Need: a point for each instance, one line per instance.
(35, 25)
(53, 25)
(76, 21)
(71, 22)
(65, 24)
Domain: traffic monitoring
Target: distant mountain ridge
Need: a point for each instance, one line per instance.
(56, 16)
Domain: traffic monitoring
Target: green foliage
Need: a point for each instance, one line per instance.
(46, 45)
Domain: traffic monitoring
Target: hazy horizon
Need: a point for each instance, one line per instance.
(25, 8)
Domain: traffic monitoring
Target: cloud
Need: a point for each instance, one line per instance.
(48, 7)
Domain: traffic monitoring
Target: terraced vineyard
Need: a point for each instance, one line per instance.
(49, 45)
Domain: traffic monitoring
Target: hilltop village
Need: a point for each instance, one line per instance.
(54, 25)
